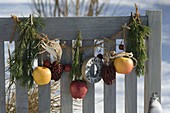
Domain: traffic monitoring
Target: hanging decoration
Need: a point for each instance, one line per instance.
(108, 72)
(41, 75)
(78, 89)
(91, 69)
(135, 42)
(124, 62)
(78, 86)
(31, 42)
(26, 50)
(51, 46)
(56, 69)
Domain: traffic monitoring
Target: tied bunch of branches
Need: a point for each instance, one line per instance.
(136, 43)
(26, 50)
(75, 73)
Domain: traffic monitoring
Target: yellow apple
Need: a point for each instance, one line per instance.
(41, 75)
(123, 65)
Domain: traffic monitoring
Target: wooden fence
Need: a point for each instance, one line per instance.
(91, 27)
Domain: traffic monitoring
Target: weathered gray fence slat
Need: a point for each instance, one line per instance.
(66, 99)
(21, 97)
(2, 79)
(131, 92)
(153, 65)
(66, 27)
(110, 91)
(89, 100)
(44, 91)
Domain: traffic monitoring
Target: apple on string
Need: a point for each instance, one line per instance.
(123, 65)
(78, 89)
(41, 75)
(124, 62)
(56, 69)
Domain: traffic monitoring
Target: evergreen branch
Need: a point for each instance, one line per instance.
(22, 58)
(136, 44)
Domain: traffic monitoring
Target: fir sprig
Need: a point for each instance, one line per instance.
(22, 58)
(136, 44)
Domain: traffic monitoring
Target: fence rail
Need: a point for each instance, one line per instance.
(91, 27)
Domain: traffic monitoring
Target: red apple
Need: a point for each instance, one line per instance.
(67, 67)
(47, 63)
(78, 89)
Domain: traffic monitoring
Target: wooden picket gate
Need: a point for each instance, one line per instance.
(91, 27)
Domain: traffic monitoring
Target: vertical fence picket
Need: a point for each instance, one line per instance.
(66, 99)
(110, 90)
(131, 92)
(44, 97)
(88, 101)
(2, 79)
(153, 65)
(21, 96)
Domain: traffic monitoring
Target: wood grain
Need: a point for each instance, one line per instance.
(153, 65)
(66, 99)
(66, 27)
(89, 100)
(21, 98)
(110, 91)
(131, 92)
(44, 91)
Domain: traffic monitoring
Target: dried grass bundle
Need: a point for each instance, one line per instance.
(33, 98)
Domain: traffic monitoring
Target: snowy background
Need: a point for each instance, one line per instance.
(117, 8)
